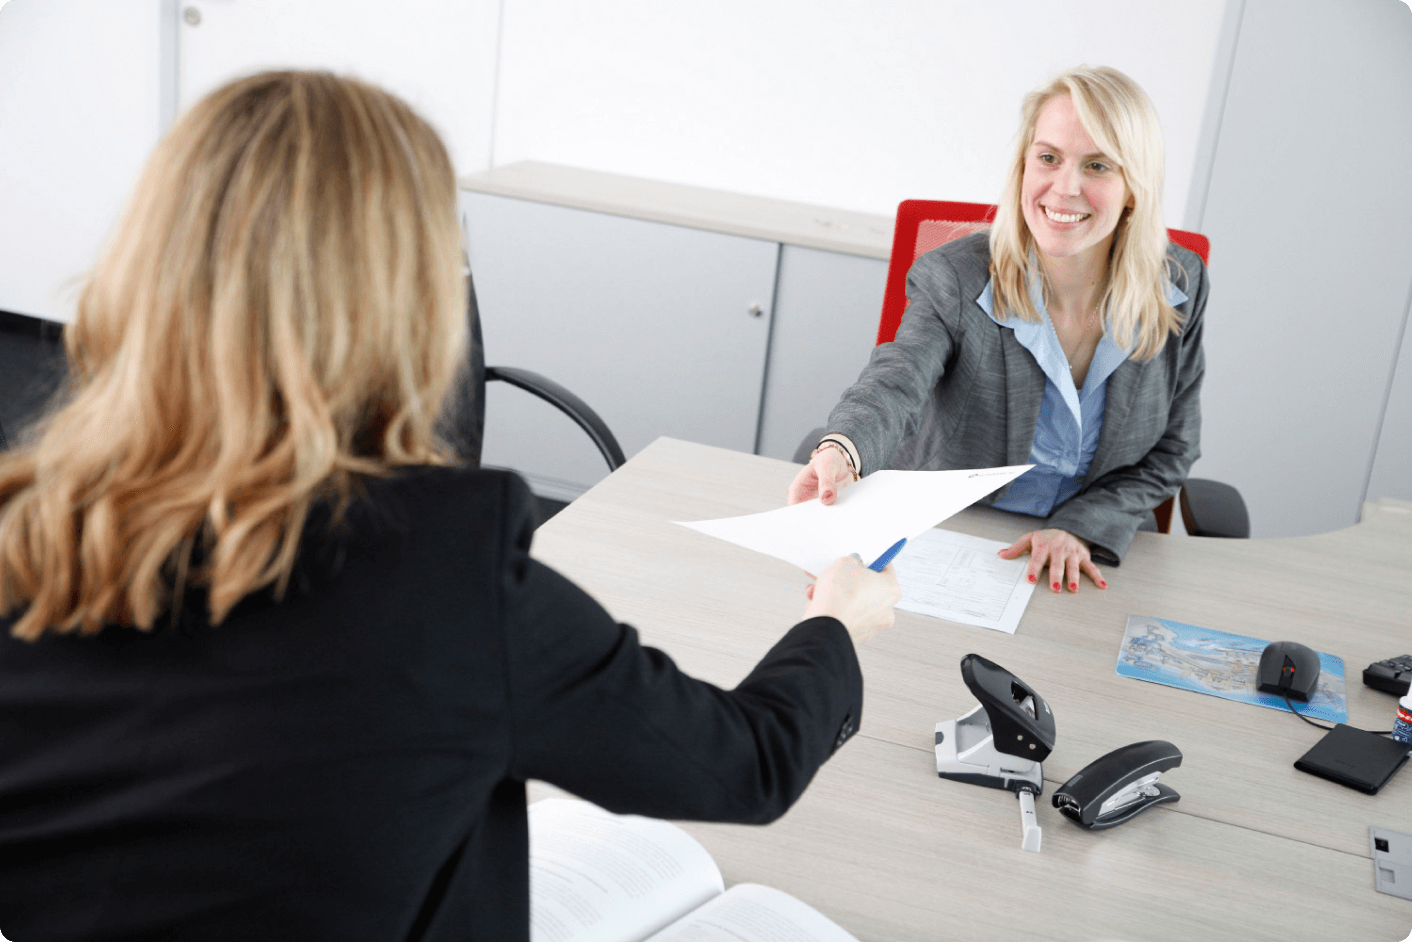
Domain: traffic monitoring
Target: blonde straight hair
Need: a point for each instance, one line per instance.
(279, 311)
(1117, 114)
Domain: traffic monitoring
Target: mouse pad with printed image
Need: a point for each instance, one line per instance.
(1354, 757)
(1219, 664)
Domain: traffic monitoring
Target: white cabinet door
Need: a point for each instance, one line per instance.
(827, 307)
(662, 329)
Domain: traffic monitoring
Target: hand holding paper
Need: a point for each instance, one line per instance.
(867, 519)
(859, 597)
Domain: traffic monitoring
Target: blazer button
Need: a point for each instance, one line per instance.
(845, 731)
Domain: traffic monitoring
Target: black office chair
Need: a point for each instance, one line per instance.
(1210, 508)
(32, 370)
(464, 424)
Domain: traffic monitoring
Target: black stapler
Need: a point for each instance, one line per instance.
(1000, 743)
(1119, 786)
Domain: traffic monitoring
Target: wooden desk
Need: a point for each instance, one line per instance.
(1254, 849)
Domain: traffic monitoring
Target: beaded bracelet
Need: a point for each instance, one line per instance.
(827, 442)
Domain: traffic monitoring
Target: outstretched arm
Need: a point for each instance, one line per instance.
(595, 712)
(887, 402)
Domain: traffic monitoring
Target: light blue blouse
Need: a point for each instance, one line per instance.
(1070, 419)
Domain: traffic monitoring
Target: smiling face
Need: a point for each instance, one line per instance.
(1072, 195)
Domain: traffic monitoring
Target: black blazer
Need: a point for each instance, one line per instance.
(349, 763)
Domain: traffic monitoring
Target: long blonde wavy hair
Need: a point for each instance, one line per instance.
(1117, 114)
(279, 311)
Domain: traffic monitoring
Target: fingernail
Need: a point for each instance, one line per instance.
(1102, 584)
(1073, 587)
(1033, 579)
(1056, 587)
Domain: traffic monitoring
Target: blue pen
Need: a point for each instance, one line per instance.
(881, 562)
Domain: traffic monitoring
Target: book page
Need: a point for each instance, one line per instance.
(601, 877)
(748, 912)
(958, 577)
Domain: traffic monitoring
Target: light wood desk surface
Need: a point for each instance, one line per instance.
(1253, 850)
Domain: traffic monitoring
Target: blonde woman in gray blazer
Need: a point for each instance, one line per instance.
(1068, 336)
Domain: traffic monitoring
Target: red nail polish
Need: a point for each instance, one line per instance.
(1102, 583)
(1056, 586)
(1073, 587)
(1032, 578)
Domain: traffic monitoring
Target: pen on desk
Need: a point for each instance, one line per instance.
(881, 562)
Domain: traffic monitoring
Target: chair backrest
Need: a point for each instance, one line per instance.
(462, 421)
(922, 225)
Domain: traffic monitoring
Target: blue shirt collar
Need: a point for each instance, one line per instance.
(1040, 339)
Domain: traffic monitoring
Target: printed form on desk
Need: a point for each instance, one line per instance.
(960, 578)
(946, 575)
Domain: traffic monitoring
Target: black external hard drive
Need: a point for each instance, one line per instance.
(1354, 757)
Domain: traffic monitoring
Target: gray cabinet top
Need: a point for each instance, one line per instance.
(755, 217)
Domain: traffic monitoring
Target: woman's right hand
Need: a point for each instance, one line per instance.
(822, 477)
(860, 598)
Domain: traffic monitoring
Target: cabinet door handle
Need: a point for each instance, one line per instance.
(755, 310)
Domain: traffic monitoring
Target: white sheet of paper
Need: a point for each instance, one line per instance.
(958, 577)
(867, 518)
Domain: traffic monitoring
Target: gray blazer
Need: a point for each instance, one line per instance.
(957, 390)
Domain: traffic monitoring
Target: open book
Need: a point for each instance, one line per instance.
(602, 877)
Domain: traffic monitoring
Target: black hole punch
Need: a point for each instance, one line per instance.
(1380, 843)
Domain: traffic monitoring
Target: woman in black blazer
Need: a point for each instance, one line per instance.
(272, 665)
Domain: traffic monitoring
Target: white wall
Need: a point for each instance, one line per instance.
(843, 103)
(80, 92)
(439, 55)
(1391, 475)
(85, 86)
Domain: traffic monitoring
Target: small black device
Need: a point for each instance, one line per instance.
(1119, 786)
(1392, 676)
(1288, 668)
(1354, 757)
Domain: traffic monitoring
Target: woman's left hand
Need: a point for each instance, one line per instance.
(1065, 554)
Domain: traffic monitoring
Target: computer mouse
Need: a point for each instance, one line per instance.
(1288, 668)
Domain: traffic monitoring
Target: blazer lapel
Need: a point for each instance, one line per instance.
(1024, 391)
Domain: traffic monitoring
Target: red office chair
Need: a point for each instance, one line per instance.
(922, 225)
(1209, 508)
